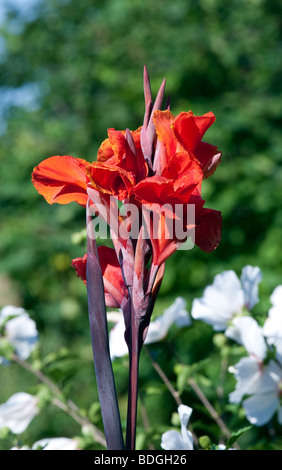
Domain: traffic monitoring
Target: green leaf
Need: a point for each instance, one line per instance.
(235, 436)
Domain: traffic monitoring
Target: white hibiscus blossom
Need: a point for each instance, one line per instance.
(174, 440)
(259, 380)
(227, 297)
(19, 329)
(18, 411)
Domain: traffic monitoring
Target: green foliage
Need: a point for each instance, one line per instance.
(86, 59)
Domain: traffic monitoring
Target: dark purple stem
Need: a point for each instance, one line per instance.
(134, 353)
(100, 346)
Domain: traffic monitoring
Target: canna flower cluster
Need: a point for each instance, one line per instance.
(156, 170)
(162, 162)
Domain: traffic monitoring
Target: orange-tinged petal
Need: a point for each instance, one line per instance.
(163, 121)
(62, 179)
(117, 141)
(105, 151)
(110, 179)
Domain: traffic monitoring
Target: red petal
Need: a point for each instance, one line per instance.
(80, 266)
(112, 272)
(208, 230)
(189, 129)
(209, 157)
(61, 179)
(115, 288)
(110, 179)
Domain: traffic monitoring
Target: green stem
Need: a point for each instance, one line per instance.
(68, 407)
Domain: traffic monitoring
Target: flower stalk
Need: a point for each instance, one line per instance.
(100, 344)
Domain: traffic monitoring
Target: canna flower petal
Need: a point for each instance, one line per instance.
(62, 179)
(115, 288)
(208, 230)
(185, 132)
(209, 157)
(190, 129)
(120, 164)
(79, 264)
(108, 178)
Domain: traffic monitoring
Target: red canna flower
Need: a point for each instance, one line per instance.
(156, 169)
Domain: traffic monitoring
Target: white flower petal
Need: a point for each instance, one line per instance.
(250, 279)
(117, 344)
(56, 443)
(253, 378)
(176, 313)
(10, 311)
(173, 440)
(247, 332)
(18, 411)
(260, 407)
(22, 334)
(272, 328)
(184, 414)
(220, 302)
(276, 297)
(247, 373)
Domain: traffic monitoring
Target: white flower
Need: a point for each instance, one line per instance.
(56, 443)
(259, 382)
(10, 311)
(276, 297)
(262, 385)
(173, 440)
(250, 279)
(17, 412)
(260, 407)
(20, 448)
(176, 313)
(22, 334)
(227, 297)
(20, 330)
(252, 378)
(117, 344)
(272, 328)
(157, 330)
(247, 332)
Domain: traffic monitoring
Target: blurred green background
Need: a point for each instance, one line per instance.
(68, 71)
